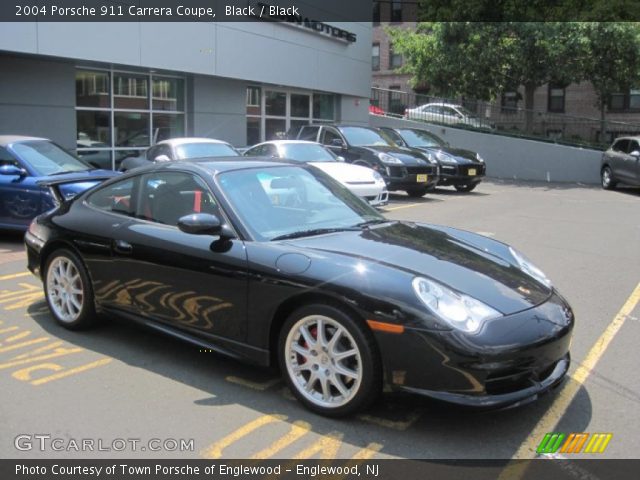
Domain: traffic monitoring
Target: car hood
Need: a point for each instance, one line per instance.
(346, 172)
(407, 156)
(464, 261)
(462, 156)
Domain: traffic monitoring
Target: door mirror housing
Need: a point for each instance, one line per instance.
(340, 159)
(162, 158)
(204, 224)
(337, 142)
(13, 170)
(635, 154)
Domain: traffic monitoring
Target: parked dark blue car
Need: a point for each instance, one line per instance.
(27, 164)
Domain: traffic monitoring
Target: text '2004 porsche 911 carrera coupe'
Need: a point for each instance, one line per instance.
(339, 297)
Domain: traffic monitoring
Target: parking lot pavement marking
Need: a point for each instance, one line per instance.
(400, 425)
(11, 276)
(402, 206)
(563, 400)
(72, 371)
(254, 385)
(215, 449)
(299, 428)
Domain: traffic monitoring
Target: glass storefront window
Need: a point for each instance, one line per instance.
(168, 94)
(299, 105)
(167, 125)
(253, 100)
(130, 91)
(253, 130)
(131, 129)
(275, 129)
(275, 103)
(92, 89)
(94, 129)
(323, 106)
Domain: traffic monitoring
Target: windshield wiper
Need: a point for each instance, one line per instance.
(368, 223)
(315, 231)
(64, 172)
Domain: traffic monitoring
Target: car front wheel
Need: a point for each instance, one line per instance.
(466, 188)
(329, 360)
(606, 176)
(68, 290)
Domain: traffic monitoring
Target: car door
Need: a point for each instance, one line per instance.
(329, 135)
(194, 283)
(20, 196)
(617, 155)
(629, 162)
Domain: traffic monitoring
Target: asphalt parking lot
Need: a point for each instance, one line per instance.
(121, 382)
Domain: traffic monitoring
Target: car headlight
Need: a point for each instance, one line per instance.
(479, 158)
(377, 177)
(529, 268)
(386, 158)
(443, 157)
(460, 311)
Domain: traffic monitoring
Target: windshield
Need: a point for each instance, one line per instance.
(306, 152)
(46, 158)
(273, 202)
(466, 112)
(359, 136)
(421, 138)
(201, 150)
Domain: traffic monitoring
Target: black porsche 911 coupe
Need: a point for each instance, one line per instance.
(276, 263)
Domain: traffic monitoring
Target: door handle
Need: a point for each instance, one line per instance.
(123, 247)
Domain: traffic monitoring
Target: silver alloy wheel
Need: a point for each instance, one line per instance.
(323, 360)
(606, 177)
(64, 289)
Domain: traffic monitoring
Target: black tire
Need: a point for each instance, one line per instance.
(465, 188)
(366, 363)
(606, 178)
(81, 313)
(417, 192)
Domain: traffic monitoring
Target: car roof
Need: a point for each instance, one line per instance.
(285, 142)
(182, 140)
(216, 165)
(9, 139)
(636, 137)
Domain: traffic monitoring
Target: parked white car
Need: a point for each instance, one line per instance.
(448, 113)
(363, 181)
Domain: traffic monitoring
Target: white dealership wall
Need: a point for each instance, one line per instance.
(515, 158)
(219, 61)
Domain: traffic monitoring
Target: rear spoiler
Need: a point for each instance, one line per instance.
(54, 184)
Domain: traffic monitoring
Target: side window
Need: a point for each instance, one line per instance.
(115, 198)
(7, 159)
(271, 151)
(258, 151)
(155, 152)
(329, 135)
(621, 146)
(309, 133)
(633, 146)
(165, 197)
(432, 109)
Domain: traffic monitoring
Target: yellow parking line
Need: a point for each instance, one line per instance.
(72, 371)
(14, 275)
(551, 418)
(403, 206)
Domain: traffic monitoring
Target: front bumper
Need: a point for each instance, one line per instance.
(511, 361)
(408, 177)
(461, 174)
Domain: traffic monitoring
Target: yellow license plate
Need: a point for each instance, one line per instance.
(422, 178)
(472, 172)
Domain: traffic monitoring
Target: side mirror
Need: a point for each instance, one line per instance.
(337, 142)
(635, 154)
(340, 159)
(201, 224)
(162, 158)
(12, 170)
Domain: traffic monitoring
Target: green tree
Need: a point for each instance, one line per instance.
(611, 61)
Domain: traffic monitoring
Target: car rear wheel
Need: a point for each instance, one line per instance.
(329, 360)
(466, 187)
(417, 192)
(606, 176)
(68, 290)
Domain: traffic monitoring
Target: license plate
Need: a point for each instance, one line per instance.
(422, 178)
(472, 172)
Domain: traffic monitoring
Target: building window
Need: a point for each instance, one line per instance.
(396, 105)
(396, 12)
(120, 113)
(375, 56)
(509, 102)
(272, 113)
(395, 59)
(376, 13)
(556, 99)
(625, 101)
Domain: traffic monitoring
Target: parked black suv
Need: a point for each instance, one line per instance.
(463, 169)
(402, 168)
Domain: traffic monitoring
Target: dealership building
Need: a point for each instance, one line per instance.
(109, 90)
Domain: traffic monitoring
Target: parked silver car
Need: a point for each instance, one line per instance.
(621, 163)
(448, 113)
